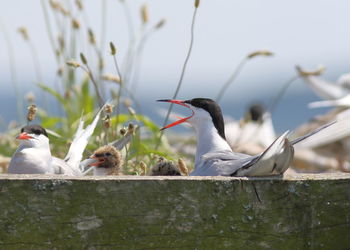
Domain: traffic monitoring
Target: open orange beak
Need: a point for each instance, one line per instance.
(181, 120)
(24, 136)
(97, 162)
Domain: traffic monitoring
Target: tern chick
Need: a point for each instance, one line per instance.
(109, 161)
(164, 168)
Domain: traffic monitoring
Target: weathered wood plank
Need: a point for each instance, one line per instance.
(303, 212)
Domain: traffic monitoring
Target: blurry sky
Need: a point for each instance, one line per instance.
(308, 33)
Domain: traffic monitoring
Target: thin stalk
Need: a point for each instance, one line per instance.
(138, 57)
(120, 87)
(89, 72)
(181, 77)
(131, 43)
(12, 63)
(103, 24)
(231, 79)
(49, 30)
(278, 96)
(35, 61)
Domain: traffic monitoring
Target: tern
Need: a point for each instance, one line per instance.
(329, 90)
(255, 129)
(214, 155)
(33, 155)
(108, 161)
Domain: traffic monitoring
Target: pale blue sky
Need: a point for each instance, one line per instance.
(309, 33)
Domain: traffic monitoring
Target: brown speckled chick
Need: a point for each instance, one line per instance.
(164, 168)
(109, 161)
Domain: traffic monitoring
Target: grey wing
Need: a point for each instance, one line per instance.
(222, 163)
(274, 160)
(61, 167)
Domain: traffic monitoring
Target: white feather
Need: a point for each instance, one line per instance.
(324, 89)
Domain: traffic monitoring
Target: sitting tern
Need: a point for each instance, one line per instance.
(33, 155)
(215, 157)
(255, 129)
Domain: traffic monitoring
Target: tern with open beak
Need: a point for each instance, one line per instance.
(214, 155)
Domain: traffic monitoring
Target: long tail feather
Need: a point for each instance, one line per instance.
(326, 134)
(81, 139)
(274, 160)
(322, 104)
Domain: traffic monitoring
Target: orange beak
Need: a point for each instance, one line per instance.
(24, 136)
(181, 120)
(98, 162)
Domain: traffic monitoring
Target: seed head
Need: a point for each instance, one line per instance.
(73, 63)
(55, 5)
(31, 112)
(182, 166)
(196, 3)
(24, 32)
(91, 36)
(79, 4)
(109, 109)
(61, 42)
(101, 63)
(144, 13)
(30, 97)
(259, 53)
(131, 128)
(122, 131)
(111, 78)
(64, 11)
(113, 49)
(107, 121)
(75, 24)
(60, 71)
(127, 102)
(319, 71)
(83, 58)
(143, 167)
(160, 24)
(131, 111)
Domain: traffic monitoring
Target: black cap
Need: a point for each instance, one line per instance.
(213, 109)
(34, 129)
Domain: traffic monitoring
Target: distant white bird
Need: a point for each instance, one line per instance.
(214, 155)
(341, 102)
(256, 128)
(329, 90)
(33, 155)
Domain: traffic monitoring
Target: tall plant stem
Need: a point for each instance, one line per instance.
(89, 72)
(231, 79)
(120, 87)
(276, 99)
(12, 63)
(181, 77)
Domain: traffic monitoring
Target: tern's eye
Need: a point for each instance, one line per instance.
(108, 154)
